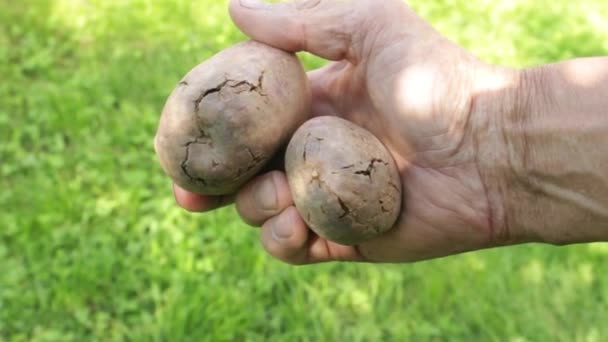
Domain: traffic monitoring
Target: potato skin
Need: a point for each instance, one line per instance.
(229, 115)
(344, 182)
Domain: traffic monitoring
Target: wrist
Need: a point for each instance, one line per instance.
(500, 106)
(545, 159)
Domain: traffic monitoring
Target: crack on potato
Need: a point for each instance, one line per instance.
(184, 166)
(394, 186)
(255, 161)
(307, 143)
(323, 210)
(217, 89)
(344, 207)
(258, 88)
(370, 168)
(346, 210)
(306, 146)
(252, 165)
(203, 139)
(253, 156)
(382, 207)
(183, 83)
(347, 167)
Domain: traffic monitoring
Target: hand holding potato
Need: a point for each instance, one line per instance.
(404, 91)
(230, 115)
(480, 150)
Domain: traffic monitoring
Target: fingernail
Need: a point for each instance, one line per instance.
(282, 227)
(265, 194)
(255, 4)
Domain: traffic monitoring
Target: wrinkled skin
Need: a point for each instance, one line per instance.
(415, 90)
(343, 181)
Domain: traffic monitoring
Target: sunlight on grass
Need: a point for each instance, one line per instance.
(533, 273)
(586, 273)
(75, 14)
(598, 248)
(476, 263)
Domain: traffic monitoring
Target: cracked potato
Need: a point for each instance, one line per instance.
(344, 182)
(230, 115)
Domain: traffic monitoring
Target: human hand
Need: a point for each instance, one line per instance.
(394, 75)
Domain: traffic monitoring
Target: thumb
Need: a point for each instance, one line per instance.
(333, 30)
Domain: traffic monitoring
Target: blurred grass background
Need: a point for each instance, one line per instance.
(93, 248)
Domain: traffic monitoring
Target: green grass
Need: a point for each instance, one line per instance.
(93, 248)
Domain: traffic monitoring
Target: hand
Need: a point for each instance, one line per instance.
(393, 74)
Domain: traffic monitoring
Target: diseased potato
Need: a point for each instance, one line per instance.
(344, 182)
(230, 115)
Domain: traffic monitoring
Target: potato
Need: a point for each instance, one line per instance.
(344, 182)
(229, 116)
